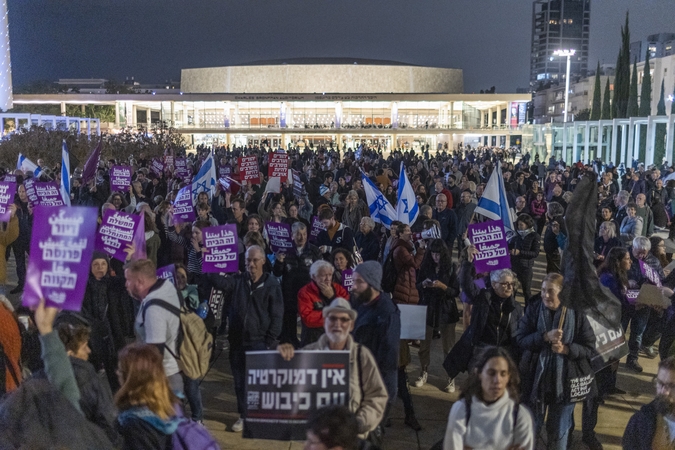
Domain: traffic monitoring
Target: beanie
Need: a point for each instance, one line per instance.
(323, 189)
(371, 272)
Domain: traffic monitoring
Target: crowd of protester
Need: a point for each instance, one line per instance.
(115, 360)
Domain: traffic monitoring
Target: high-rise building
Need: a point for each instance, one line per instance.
(659, 45)
(559, 25)
(5, 63)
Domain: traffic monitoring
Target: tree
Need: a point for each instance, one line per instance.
(597, 99)
(113, 87)
(645, 104)
(660, 132)
(622, 80)
(583, 115)
(606, 103)
(633, 108)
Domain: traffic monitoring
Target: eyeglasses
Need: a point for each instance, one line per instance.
(661, 385)
(342, 320)
(506, 285)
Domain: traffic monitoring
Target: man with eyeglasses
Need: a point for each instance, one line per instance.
(255, 317)
(367, 393)
(654, 425)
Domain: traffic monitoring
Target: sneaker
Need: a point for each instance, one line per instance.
(238, 425)
(421, 380)
(200, 422)
(412, 422)
(592, 442)
(634, 365)
(450, 388)
(649, 352)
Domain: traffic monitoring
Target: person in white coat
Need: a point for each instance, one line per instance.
(488, 415)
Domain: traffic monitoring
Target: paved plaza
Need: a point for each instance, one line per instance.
(432, 405)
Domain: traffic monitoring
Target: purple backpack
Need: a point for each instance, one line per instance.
(192, 436)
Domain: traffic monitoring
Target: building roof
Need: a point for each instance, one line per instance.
(330, 61)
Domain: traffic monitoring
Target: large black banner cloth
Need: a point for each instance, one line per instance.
(280, 394)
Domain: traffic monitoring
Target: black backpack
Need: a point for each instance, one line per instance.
(389, 273)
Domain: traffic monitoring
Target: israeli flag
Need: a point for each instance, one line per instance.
(65, 174)
(381, 210)
(407, 209)
(358, 152)
(27, 165)
(493, 203)
(205, 180)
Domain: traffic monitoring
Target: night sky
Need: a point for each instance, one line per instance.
(153, 39)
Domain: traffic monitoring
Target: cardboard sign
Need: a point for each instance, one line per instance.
(167, 273)
(60, 256)
(280, 395)
(222, 253)
(317, 227)
(120, 178)
(489, 238)
(7, 191)
(118, 230)
(248, 170)
(278, 166)
(413, 321)
(280, 237)
(651, 295)
(183, 209)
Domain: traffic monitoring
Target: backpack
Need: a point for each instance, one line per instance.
(194, 343)
(389, 274)
(192, 436)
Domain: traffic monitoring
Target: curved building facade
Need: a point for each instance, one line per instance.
(324, 76)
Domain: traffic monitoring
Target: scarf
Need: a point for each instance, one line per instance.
(550, 366)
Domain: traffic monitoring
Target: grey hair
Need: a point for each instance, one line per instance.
(298, 226)
(642, 243)
(369, 221)
(497, 275)
(610, 227)
(623, 195)
(319, 265)
(255, 247)
(353, 194)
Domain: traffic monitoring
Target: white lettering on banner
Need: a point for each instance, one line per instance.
(121, 221)
(124, 235)
(65, 226)
(222, 255)
(62, 251)
(225, 237)
(58, 277)
(328, 398)
(296, 377)
(118, 172)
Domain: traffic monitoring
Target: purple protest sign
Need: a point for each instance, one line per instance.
(60, 256)
(7, 191)
(167, 273)
(48, 194)
(317, 227)
(29, 184)
(120, 178)
(223, 249)
(224, 171)
(157, 166)
(119, 229)
(181, 170)
(10, 178)
(279, 235)
(298, 187)
(347, 279)
(183, 209)
(489, 239)
(651, 274)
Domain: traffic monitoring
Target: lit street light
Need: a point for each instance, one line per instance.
(569, 54)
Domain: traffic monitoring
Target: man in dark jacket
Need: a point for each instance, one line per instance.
(464, 214)
(294, 267)
(334, 235)
(256, 314)
(649, 427)
(366, 240)
(447, 219)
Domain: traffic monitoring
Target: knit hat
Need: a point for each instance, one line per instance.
(371, 272)
(339, 305)
(98, 254)
(323, 189)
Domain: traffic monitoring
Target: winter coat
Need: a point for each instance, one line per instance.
(378, 327)
(368, 245)
(528, 246)
(340, 236)
(152, 244)
(310, 307)
(406, 264)
(641, 428)
(295, 272)
(255, 316)
(449, 226)
(367, 393)
(531, 342)
(22, 242)
(143, 430)
(7, 237)
(352, 218)
(441, 304)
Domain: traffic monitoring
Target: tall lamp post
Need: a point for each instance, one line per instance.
(569, 54)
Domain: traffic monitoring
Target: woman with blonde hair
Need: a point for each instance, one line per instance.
(148, 416)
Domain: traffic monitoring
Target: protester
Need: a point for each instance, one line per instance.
(524, 249)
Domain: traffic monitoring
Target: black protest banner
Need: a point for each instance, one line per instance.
(280, 394)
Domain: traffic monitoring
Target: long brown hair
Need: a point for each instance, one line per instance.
(472, 386)
(145, 383)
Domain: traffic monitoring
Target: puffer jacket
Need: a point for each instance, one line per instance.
(406, 265)
(255, 315)
(528, 246)
(367, 393)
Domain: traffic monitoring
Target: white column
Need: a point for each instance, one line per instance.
(630, 150)
(670, 131)
(452, 115)
(651, 137)
(499, 116)
(117, 115)
(587, 142)
(636, 145)
(624, 144)
(575, 143)
(63, 108)
(172, 122)
(564, 144)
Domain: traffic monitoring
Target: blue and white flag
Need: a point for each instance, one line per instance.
(65, 174)
(381, 210)
(407, 209)
(27, 165)
(493, 204)
(205, 180)
(358, 152)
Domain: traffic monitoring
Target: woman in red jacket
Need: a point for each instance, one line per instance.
(407, 259)
(314, 296)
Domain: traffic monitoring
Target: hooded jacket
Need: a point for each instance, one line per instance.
(406, 264)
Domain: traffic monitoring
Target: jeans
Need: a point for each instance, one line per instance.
(176, 384)
(238, 366)
(638, 325)
(447, 340)
(606, 381)
(558, 423)
(524, 275)
(194, 398)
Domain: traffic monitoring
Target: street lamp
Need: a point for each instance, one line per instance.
(569, 54)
